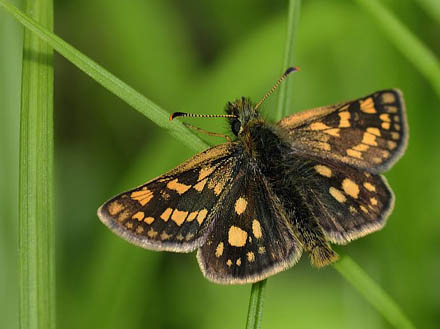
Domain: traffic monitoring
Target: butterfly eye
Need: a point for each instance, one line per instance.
(236, 125)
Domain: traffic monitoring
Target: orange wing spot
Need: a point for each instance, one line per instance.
(261, 250)
(205, 171)
(391, 109)
(178, 187)
(323, 170)
(370, 187)
(219, 187)
(395, 135)
(149, 220)
(192, 216)
(200, 185)
(166, 214)
(219, 250)
(385, 125)
(344, 119)
(115, 207)
(229, 263)
(143, 196)
(240, 205)
(319, 126)
(324, 146)
(365, 210)
(369, 139)
(374, 131)
(385, 153)
(251, 257)
(256, 229)
(189, 236)
(396, 118)
(373, 201)
(129, 225)
(385, 117)
(179, 237)
(165, 236)
(201, 216)
(238, 262)
(353, 210)
(350, 188)
(391, 145)
(397, 126)
(361, 147)
(178, 216)
(354, 154)
(123, 215)
(338, 195)
(237, 237)
(367, 106)
(388, 98)
(139, 229)
(333, 132)
(139, 216)
(152, 233)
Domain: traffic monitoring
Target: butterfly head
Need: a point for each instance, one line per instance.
(242, 111)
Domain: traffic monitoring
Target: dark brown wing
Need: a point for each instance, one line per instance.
(368, 133)
(173, 211)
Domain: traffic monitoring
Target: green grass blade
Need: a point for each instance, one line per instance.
(432, 8)
(256, 303)
(36, 220)
(108, 80)
(372, 292)
(406, 42)
(285, 92)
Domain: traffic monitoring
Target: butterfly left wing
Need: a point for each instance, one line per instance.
(251, 237)
(173, 211)
(368, 133)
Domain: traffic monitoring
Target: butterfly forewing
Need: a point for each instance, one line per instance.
(251, 237)
(369, 133)
(174, 211)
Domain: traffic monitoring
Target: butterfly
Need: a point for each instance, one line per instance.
(252, 205)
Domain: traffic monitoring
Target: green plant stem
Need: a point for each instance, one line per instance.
(36, 223)
(256, 303)
(406, 42)
(285, 92)
(132, 97)
(372, 292)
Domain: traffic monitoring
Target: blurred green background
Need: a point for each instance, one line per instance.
(194, 56)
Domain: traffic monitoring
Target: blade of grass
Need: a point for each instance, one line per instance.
(36, 223)
(432, 8)
(285, 92)
(372, 292)
(139, 102)
(406, 42)
(256, 303)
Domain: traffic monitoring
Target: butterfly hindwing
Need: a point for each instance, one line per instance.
(369, 133)
(250, 237)
(173, 211)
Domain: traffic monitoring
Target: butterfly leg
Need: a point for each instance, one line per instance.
(209, 133)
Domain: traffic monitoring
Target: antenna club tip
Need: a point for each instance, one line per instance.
(175, 115)
(292, 69)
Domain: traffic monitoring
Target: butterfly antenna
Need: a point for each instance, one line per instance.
(275, 86)
(182, 114)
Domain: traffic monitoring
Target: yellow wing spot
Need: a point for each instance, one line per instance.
(129, 225)
(256, 229)
(166, 214)
(388, 98)
(374, 131)
(123, 215)
(350, 188)
(251, 257)
(324, 146)
(192, 216)
(391, 109)
(261, 250)
(373, 201)
(396, 118)
(219, 250)
(229, 262)
(200, 185)
(149, 220)
(143, 196)
(152, 233)
(385, 125)
(165, 236)
(338, 195)
(333, 132)
(385, 154)
(179, 237)
(237, 237)
(319, 126)
(344, 119)
(323, 170)
(219, 188)
(178, 187)
(385, 117)
(189, 236)
(369, 139)
(367, 106)
(361, 147)
(365, 210)
(179, 216)
(205, 171)
(139, 229)
(391, 145)
(370, 187)
(395, 135)
(353, 210)
(238, 262)
(397, 126)
(139, 216)
(240, 205)
(202, 215)
(115, 207)
(354, 154)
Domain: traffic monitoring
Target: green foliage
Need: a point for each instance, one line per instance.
(194, 58)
